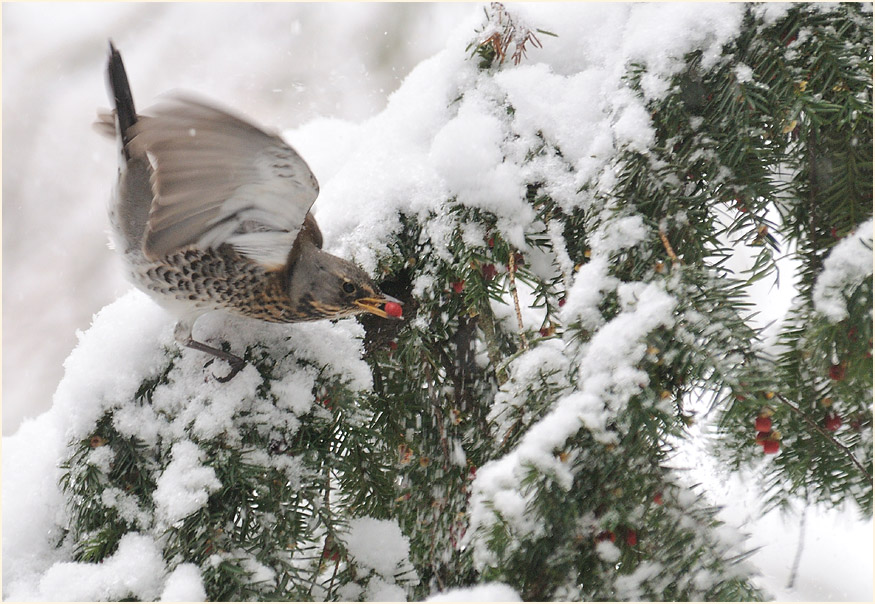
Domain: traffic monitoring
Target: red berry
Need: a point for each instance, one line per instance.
(490, 242)
(606, 536)
(771, 446)
(489, 272)
(763, 423)
(561, 302)
(631, 537)
(832, 422)
(458, 286)
(393, 309)
(837, 372)
(657, 499)
(393, 345)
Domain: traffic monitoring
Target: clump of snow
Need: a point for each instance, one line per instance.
(849, 264)
(127, 506)
(135, 570)
(607, 551)
(380, 548)
(378, 545)
(743, 73)
(467, 156)
(629, 586)
(185, 485)
(587, 290)
(379, 590)
(123, 344)
(619, 234)
(488, 592)
(184, 584)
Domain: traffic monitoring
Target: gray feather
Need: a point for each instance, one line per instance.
(218, 179)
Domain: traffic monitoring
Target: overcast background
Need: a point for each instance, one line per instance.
(283, 65)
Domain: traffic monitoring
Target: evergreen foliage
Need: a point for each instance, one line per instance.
(542, 458)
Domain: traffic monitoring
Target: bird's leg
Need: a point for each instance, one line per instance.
(182, 333)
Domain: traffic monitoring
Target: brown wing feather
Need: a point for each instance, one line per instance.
(219, 179)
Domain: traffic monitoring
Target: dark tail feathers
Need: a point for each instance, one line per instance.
(121, 92)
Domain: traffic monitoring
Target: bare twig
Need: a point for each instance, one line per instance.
(511, 32)
(668, 249)
(823, 432)
(511, 265)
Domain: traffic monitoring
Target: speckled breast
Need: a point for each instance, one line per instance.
(195, 280)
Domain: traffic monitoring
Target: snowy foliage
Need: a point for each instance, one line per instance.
(512, 438)
(849, 263)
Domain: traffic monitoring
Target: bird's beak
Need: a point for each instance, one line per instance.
(375, 305)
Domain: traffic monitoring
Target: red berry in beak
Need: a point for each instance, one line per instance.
(393, 309)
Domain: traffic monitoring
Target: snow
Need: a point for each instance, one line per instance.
(127, 507)
(185, 485)
(590, 283)
(607, 551)
(377, 544)
(100, 376)
(743, 73)
(135, 570)
(607, 378)
(184, 585)
(488, 592)
(425, 144)
(382, 591)
(848, 264)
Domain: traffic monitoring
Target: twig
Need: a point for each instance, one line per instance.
(512, 33)
(511, 265)
(668, 249)
(825, 434)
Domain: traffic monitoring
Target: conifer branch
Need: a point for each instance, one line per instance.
(823, 432)
(508, 31)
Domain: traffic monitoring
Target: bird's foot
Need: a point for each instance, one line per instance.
(236, 364)
(233, 360)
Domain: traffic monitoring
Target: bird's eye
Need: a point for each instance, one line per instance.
(348, 287)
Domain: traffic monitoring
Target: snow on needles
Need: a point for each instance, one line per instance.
(849, 264)
(125, 345)
(377, 544)
(445, 135)
(185, 485)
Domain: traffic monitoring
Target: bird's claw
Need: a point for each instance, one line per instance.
(236, 365)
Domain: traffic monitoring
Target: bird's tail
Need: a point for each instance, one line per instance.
(121, 94)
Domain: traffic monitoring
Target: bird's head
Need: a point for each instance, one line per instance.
(327, 287)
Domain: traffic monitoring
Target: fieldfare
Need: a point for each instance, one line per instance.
(213, 213)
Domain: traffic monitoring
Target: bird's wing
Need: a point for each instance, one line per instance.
(217, 179)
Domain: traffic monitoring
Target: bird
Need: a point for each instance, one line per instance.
(211, 212)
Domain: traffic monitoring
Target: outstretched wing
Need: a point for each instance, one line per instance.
(218, 179)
